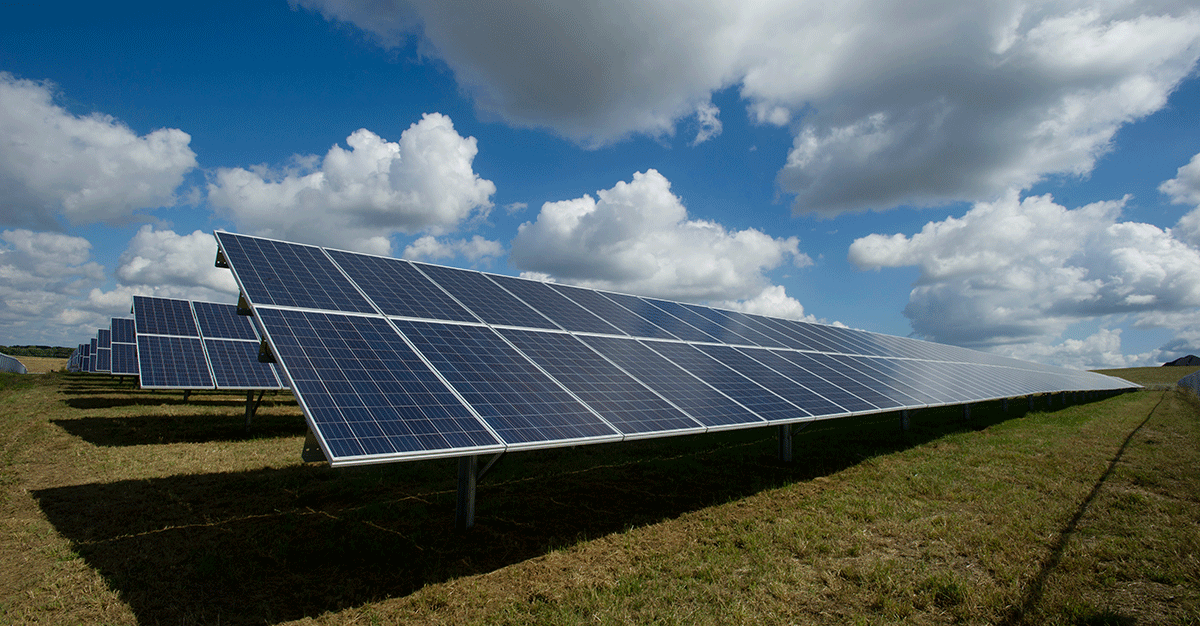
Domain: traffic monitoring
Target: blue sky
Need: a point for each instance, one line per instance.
(1022, 179)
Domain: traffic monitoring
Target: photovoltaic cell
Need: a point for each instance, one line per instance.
(555, 306)
(739, 359)
(235, 365)
(104, 338)
(169, 362)
(124, 359)
(397, 288)
(695, 397)
(769, 406)
(164, 316)
(673, 325)
(123, 330)
(293, 275)
(485, 298)
(519, 402)
(624, 402)
(611, 312)
(221, 321)
(367, 394)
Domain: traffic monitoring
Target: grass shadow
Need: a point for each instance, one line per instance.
(281, 544)
(167, 429)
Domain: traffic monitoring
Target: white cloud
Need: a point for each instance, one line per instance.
(358, 198)
(41, 273)
(913, 103)
(163, 259)
(1022, 271)
(1101, 350)
(637, 238)
(1185, 189)
(87, 168)
(710, 124)
(773, 302)
(475, 249)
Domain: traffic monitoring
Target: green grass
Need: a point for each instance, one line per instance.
(132, 507)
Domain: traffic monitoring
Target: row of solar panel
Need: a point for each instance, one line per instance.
(393, 360)
(179, 344)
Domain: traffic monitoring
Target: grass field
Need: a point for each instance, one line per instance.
(135, 507)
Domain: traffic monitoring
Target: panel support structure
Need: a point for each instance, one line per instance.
(905, 419)
(252, 406)
(464, 510)
(785, 443)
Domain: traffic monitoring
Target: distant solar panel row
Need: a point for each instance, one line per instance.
(394, 360)
(124, 347)
(197, 345)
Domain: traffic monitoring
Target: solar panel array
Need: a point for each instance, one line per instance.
(197, 345)
(124, 347)
(396, 360)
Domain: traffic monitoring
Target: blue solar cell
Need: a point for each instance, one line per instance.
(169, 362)
(123, 330)
(624, 402)
(124, 359)
(164, 316)
(740, 324)
(221, 321)
(485, 298)
(611, 312)
(753, 396)
(695, 397)
(815, 363)
(92, 362)
(740, 359)
(397, 288)
(104, 338)
(555, 306)
(368, 396)
(707, 324)
(673, 325)
(288, 274)
(516, 399)
(235, 365)
(776, 360)
(103, 359)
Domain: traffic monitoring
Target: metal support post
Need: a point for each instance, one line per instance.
(904, 419)
(464, 513)
(252, 406)
(1006, 405)
(966, 412)
(1031, 402)
(785, 443)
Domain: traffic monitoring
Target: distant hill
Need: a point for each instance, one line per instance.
(1190, 359)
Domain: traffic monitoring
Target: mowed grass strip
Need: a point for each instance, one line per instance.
(132, 507)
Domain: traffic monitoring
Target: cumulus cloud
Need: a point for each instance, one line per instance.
(86, 169)
(40, 274)
(1185, 189)
(1100, 350)
(772, 301)
(357, 198)
(1022, 271)
(891, 104)
(637, 238)
(163, 258)
(475, 249)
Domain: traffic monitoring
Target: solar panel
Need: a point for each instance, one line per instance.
(170, 362)
(124, 359)
(123, 330)
(197, 345)
(627, 404)
(485, 298)
(520, 403)
(397, 288)
(366, 393)
(394, 360)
